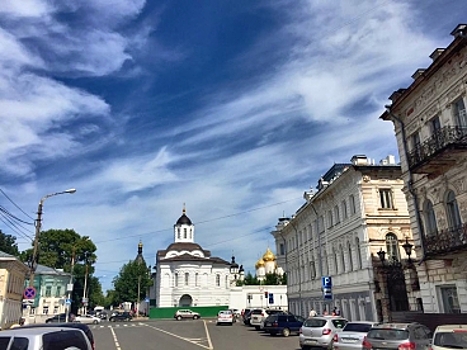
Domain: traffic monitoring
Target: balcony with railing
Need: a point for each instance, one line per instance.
(439, 152)
(446, 241)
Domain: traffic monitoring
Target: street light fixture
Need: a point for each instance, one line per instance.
(408, 249)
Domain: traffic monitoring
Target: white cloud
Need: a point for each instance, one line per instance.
(25, 8)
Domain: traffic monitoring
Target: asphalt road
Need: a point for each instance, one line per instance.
(185, 335)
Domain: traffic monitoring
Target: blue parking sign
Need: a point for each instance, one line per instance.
(326, 282)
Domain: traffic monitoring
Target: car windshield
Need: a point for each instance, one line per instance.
(339, 323)
(451, 340)
(314, 323)
(357, 327)
(388, 334)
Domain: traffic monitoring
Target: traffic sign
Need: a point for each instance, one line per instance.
(326, 282)
(327, 293)
(68, 302)
(29, 293)
(28, 301)
(147, 300)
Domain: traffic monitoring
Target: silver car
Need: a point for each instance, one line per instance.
(352, 335)
(319, 331)
(44, 338)
(398, 336)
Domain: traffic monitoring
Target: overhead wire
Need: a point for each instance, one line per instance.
(16, 205)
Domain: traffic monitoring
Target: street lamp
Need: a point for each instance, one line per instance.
(32, 263)
(408, 249)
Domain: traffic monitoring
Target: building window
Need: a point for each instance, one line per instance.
(178, 233)
(226, 281)
(392, 247)
(358, 249)
(431, 227)
(176, 280)
(48, 291)
(349, 250)
(343, 269)
(313, 269)
(337, 214)
(45, 309)
(336, 264)
(58, 291)
(218, 280)
(196, 279)
(353, 209)
(187, 278)
(191, 233)
(55, 310)
(435, 125)
(185, 233)
(449, 300)
(330, 223)
(344, 209)
(415, 141)
(385, 197)
(460, 113)
(452, 209)
(321, 224)
(281, 249)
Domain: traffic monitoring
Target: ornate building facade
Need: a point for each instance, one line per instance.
(430, 122)
(358, 211)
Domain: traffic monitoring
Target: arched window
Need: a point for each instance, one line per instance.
(336, 264)
(218, 280)
(349, 250)
(176, 279)
(392, 247)
(341, 249)
(196, 279)
(452, 209)
(227, 281)
(187, 278)
(430, 219)
(358, 249)
(178, 233)
(191, 233)
(337, 216)
(353, 209)
(184, 233)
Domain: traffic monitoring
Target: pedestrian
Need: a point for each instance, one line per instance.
(336, 311)
(325, 312)
(20, 323)
(312, 313)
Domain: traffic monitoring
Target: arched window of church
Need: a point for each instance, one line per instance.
(178, 233)
(187, 278)
(184, 233)
(227, 281)
(191, 233)
(218, 280)
(205, 279)
(176, 280)
(196, 279)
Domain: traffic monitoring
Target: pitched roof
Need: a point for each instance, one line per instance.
(189, 257)
(181, 246)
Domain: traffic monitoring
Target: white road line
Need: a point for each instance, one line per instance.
(181, 338)
(117, 345)
(207, 335)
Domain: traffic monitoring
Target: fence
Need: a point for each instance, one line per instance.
(169, 312)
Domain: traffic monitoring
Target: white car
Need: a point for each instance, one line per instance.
(87, 319)
(225, 317)
(448, 337)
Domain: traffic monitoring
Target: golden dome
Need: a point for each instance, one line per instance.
(259, 263)
(269, 256)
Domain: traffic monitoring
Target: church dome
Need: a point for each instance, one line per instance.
(259, 263)
(269, 256)
(184, 220)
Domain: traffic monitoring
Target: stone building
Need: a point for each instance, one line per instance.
(359, 209)
(430, 122)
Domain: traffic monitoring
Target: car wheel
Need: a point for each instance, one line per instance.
(179, 318)
(305, 347)
(286, 332)
(195, 317)
(112, 319)
(95, 321)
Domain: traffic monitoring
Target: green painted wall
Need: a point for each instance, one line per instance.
(169, 312)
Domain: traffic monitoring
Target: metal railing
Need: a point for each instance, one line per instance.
(441, 138)
(447, 240)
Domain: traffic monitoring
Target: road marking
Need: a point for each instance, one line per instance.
(117, 345)
(182, 338)
(207, 335)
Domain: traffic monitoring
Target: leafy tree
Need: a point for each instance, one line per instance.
(250, 280)
(272, 279)
(8, 244)
(126, 282)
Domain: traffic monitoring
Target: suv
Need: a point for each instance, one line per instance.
(351, 337)
(46, 338)
(450, 337)
(121, 316)
(319, 331)
(85, 328)
(186, 313)
(398, 336)
(259, 315)
(282, 323)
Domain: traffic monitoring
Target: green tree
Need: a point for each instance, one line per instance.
(250, 280)
(272, 279)
(8, 244)
(126, 282)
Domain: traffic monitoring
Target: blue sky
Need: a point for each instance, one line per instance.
(232, 107)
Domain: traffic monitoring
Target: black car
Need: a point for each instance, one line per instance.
(247, 318)
(82, 326)
(283, 323)
(56, 318)
(121, 316)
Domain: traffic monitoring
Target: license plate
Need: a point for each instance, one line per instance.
(310, 341)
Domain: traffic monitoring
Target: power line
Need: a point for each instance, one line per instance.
(16, 205)
(14, 217)
(13, 226)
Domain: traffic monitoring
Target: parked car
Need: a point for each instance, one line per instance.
(447, 337)
(283, 323)
(121, 316)
(398, 336)
(247, 317)
(259, 315)
(352, 335)
(44, 338)
(56, 318)
(87, 319)
(186, 313)
(225, 317)
(85, 328)
(319, 331)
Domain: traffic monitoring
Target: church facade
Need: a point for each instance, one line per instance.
(188, 275)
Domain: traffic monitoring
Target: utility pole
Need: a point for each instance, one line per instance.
(70, 285)
(85, 301)
(138, 298)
